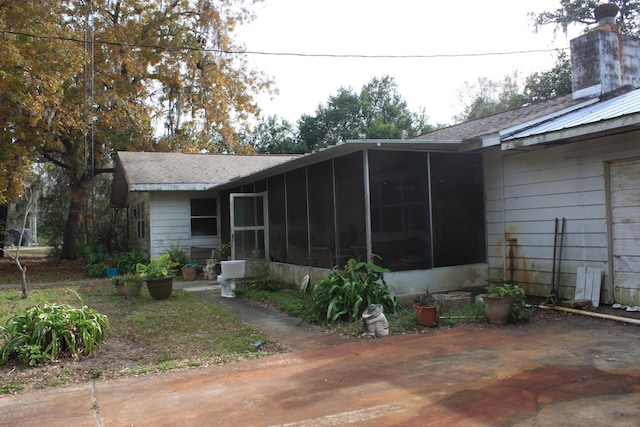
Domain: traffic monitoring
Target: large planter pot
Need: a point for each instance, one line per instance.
(498, 309)
(189, 273)
(160, 288)
(426, 315)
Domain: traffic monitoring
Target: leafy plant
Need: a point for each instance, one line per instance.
(520, 311)
(95, 270)
(342, 295)
(94, 254)
(94, 258)
(127, 261)
(132, 279)
(43, 333)
(424, 300)
(178, 255)
(118, 280)
(225, 250)
(162, 266)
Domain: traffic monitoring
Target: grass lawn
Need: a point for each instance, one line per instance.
(146, 335)
(151, 336)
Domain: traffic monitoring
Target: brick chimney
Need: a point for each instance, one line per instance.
(603, 60)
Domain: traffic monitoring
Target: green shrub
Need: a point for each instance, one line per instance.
(127, 261)
(45, 333)
(95, 270)
(178, 255)
(94, 259)
(520, 311)
(346, 293)
(94, 254)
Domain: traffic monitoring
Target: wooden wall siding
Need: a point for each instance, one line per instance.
(625, 219)
(494, 213)
(170, 223)
(564, 181)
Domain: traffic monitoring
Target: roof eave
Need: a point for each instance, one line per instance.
(343, 148)
(606, 127)
(173, 187)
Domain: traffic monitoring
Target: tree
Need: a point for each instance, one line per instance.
(30, 197)
(581, 12)
(273, 135)
(378, 111)
(100, 75)
(488, 97)
(551, 83)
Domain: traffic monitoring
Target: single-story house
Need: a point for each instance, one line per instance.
(171, 198)
(462, 206)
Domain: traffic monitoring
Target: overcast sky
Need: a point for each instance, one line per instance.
(400, 27)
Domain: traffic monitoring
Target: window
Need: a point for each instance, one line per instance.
(457, 196)
(400, 209)
(204, 217)
(138, 217)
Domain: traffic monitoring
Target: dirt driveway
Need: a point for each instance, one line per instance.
(565, 370)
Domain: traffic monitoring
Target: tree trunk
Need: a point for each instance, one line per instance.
(72, 226)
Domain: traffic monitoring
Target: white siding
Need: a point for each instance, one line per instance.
(170, 222)
(566, 181)
(493, 213)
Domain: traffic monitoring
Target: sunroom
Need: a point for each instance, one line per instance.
(414, 208)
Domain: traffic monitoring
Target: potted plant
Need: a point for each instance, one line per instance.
(505, 302)
(426, 309)
(119, 283)
(158, 275)
(189, 271)
(132, 284)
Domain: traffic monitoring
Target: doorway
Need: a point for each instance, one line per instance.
(249, 231)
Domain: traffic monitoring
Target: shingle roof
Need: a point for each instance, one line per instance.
(179, 168)
(142, 171)
(495, 123)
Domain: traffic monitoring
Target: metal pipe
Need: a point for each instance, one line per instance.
(589, 313)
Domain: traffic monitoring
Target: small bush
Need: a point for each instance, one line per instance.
(178, 255)
(346, 293)
(45, 333)
(127, 261)
(520, 311)
(94, 258)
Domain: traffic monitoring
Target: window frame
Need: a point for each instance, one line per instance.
(213, 217)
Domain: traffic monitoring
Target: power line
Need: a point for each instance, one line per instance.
(290, 54)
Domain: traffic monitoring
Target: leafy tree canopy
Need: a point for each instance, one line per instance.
(378, 111)
(273, 135)
(82, 79)
(486, 97)
(581, 12)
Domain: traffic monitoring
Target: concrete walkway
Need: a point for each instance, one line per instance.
(565, 370)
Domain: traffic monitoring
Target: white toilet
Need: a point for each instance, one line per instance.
(231, 270)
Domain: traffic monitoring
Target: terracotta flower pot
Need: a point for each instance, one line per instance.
(189, 273)
(426, 315)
